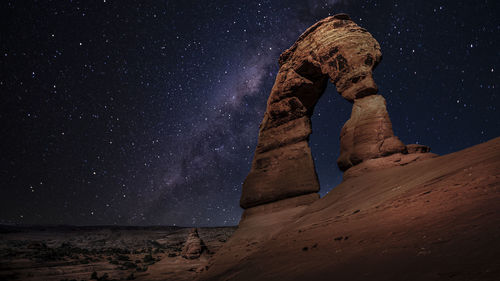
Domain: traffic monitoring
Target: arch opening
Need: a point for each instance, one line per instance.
(328, 118)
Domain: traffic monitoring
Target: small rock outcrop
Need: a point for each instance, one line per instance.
(417, 148)
(194, 246)
(334, 49)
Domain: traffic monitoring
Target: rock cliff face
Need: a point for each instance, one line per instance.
(334, 49)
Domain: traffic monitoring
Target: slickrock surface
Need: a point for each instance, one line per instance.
(377, 164)
(435, 219)
(334, 49)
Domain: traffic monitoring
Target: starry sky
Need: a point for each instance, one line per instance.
(147, 112)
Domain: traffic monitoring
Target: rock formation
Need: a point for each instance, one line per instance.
(368, 133)
(337, 49)
(414, 221)
(194, 246)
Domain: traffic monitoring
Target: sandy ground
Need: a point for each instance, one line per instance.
(113, 253)
(438, 219)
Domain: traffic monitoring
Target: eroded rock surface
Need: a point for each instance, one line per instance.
(334, 49)
(398, 159)
(194, 246)
(368, 133)
(417, 148)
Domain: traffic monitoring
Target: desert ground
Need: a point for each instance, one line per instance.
(435, 219)
(103, 252)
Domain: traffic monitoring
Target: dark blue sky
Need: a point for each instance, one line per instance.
(124, 112)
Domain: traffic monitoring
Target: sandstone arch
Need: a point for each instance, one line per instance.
(334, 49)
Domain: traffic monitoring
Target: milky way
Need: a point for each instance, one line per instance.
(139, 113)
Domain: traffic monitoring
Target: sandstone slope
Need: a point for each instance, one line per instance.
(436, 219)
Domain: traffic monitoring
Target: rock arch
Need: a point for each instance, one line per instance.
(334, 49)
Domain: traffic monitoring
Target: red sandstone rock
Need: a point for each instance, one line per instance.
(334, 48)
(194, 246)
(435, 219)
(417, 217)
(393, 160)
(368, 133)
(417, 148)
(280, 173)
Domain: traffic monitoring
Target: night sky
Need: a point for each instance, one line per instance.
(147, 112)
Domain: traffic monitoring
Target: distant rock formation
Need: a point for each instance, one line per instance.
(337, 49)
(194, 246)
